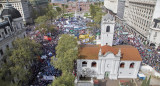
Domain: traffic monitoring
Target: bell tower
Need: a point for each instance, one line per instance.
(107, 29)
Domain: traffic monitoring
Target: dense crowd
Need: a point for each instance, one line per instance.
(64, 26)
(149, 54)
(44, 68)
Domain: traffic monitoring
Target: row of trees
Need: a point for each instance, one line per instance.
(96, 13)
(17, 62)
(42, 22)
(66, 54)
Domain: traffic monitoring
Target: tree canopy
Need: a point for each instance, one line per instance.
(67, 79)
(41, 19)
(146, 82)
(66, 53)
(51, 13)
(18, 61)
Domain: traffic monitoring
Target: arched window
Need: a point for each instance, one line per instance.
(131, 65)
(108, 29)
(84, 64)
(122, 65)
(94, 64)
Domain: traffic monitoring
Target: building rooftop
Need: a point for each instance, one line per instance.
(128, 52)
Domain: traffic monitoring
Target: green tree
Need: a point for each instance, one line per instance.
(51, 13)
(96, 13)
(59, 10)
(66, 53)
(41, 19)
(92, 10)
(66, 6)
(18, 61)
(63, 7)
(146, 82)
(67, 79)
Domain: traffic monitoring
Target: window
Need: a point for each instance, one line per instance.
(108, 29)
(7, 47)
(94, 64)
(122, 65)
(131, 65)
(84, 64)
(1, 52)
(155, 35)
(5, 30)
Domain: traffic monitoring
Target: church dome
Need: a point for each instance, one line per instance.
(9, 10)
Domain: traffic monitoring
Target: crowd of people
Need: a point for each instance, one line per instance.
(149, 54)
(44, 68)
(48, 42)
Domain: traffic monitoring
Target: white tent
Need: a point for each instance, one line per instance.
(146, 69)
(43, 57)
(48, 77)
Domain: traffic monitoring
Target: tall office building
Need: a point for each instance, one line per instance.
(138, 15)
(22, 6)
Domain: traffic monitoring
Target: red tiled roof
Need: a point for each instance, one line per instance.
(91, 52)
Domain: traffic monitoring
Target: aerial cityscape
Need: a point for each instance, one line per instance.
(79, 42)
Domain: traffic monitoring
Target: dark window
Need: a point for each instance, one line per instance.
(84, 64)
(1, 51)
(3, 34)
(122, 65)
(94, 64)
(7, 47)
(108, 29)
(5, 30)
(131, 65)
(1, 6)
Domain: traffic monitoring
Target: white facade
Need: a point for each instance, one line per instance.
(22, 6)
(108, 66)
(154, 36)
(156, 13)
(154, 32)
(128, 72)
(138, 16)
(111, 5)
(107, 30)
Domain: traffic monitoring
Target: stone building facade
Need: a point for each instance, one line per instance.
(138, 16)
(11, 27)
(22, 6)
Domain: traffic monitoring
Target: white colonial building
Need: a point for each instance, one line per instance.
(107, 61)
